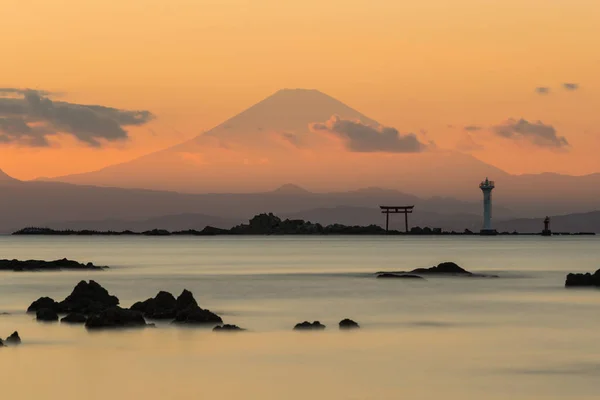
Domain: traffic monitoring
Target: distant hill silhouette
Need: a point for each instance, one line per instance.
(5, 178)
(78, 207)
(66, 206)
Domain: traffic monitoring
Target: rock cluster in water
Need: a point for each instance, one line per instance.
(39, 265)
(92, 305)
(182, 310)
(583, 280)
(12, 340)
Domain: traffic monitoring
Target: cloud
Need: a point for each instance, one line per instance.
(359, 137)
(542, 90)
(571, 86)
(28, 117)
(536, 133)
(472, 128)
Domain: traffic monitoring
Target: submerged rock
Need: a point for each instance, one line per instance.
(13, 339)
(348, 324)
(306, 326)
(227, 328)
(88, 298)
(43, 302)
(388, 275)
(46, 315)
(74, 318)
(115, 317)
(583, 280)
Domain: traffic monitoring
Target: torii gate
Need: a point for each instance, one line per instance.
(387, 210)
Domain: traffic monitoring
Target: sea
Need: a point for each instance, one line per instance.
(519, 336)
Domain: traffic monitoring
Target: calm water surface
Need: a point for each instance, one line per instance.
(522, 336)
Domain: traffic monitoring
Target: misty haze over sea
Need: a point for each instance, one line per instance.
(522, 335)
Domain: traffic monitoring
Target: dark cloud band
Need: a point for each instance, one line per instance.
(359, 137)
(28, 117)
(537, 133)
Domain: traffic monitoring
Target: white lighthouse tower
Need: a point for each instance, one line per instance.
(486, 187)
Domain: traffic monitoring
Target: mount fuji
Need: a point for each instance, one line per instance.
(271, 144)
(274, 143)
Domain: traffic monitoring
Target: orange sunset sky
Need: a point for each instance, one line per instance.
(431, 67)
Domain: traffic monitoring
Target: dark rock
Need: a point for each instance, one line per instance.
(43, 302)
(398, 276)
(163, 306)
(227, 328)
(13, 339)
(583, 280)
(195, 315)
(348, 324)
(449, 269)
(40, 265)
(115, 317)
(1, 343)
(46, 315)
(74, 318)
(185, 300)
(88, 298)
(307, 326)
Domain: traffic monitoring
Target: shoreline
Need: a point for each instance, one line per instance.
(200, 233)
(270, 224)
